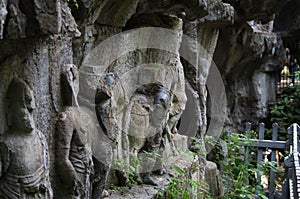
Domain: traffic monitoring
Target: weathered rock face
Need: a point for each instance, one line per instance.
(250, 9)
(139, 65)
(288, 24)
(288, 21)
(249, 56)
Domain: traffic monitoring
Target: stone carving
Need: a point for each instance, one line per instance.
(75, 162)
(74, 153)
(151, 103)
(140, 125)
(23, 148)
(104, 98)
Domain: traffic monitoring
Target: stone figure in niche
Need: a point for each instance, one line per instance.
(149, 110)
(139, 132)
(110, 101)
(24, 153)
(74, 156)
(75, 162)
(104, 100)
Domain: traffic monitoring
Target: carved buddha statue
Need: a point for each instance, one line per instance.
(23, 148)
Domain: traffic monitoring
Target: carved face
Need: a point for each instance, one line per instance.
(161, 107)
(139, 117)
(150, 109)
(73, 80)
(70, 83)
(21, 118)
(21, 103)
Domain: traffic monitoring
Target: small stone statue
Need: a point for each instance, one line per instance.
(75, 162)
(143, 120)
(74, 153)
(139, 117)
(156, 105)
(24, 169)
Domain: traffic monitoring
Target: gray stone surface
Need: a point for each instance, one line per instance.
(249, 72)
(213, 179)
(3, 14)
(49, 15)
(40, 39)
(181, 160)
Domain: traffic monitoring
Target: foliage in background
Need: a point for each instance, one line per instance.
(239, 171)
(286, 110)
(297, 75)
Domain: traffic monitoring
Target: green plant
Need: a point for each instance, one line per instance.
(159, 194)
(74, 2)
(239, 168)
(153, 156)
(129, 169)
(286, 110)
(297, 75)
(182, 185)
(114, 187)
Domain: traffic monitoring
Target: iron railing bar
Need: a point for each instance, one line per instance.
(263, 143)
(273, 158)
(261, 135)
(246, 157)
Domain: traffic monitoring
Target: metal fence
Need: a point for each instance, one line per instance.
(262, 145)
(291, 182)
(290, 80)
(291, 185)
